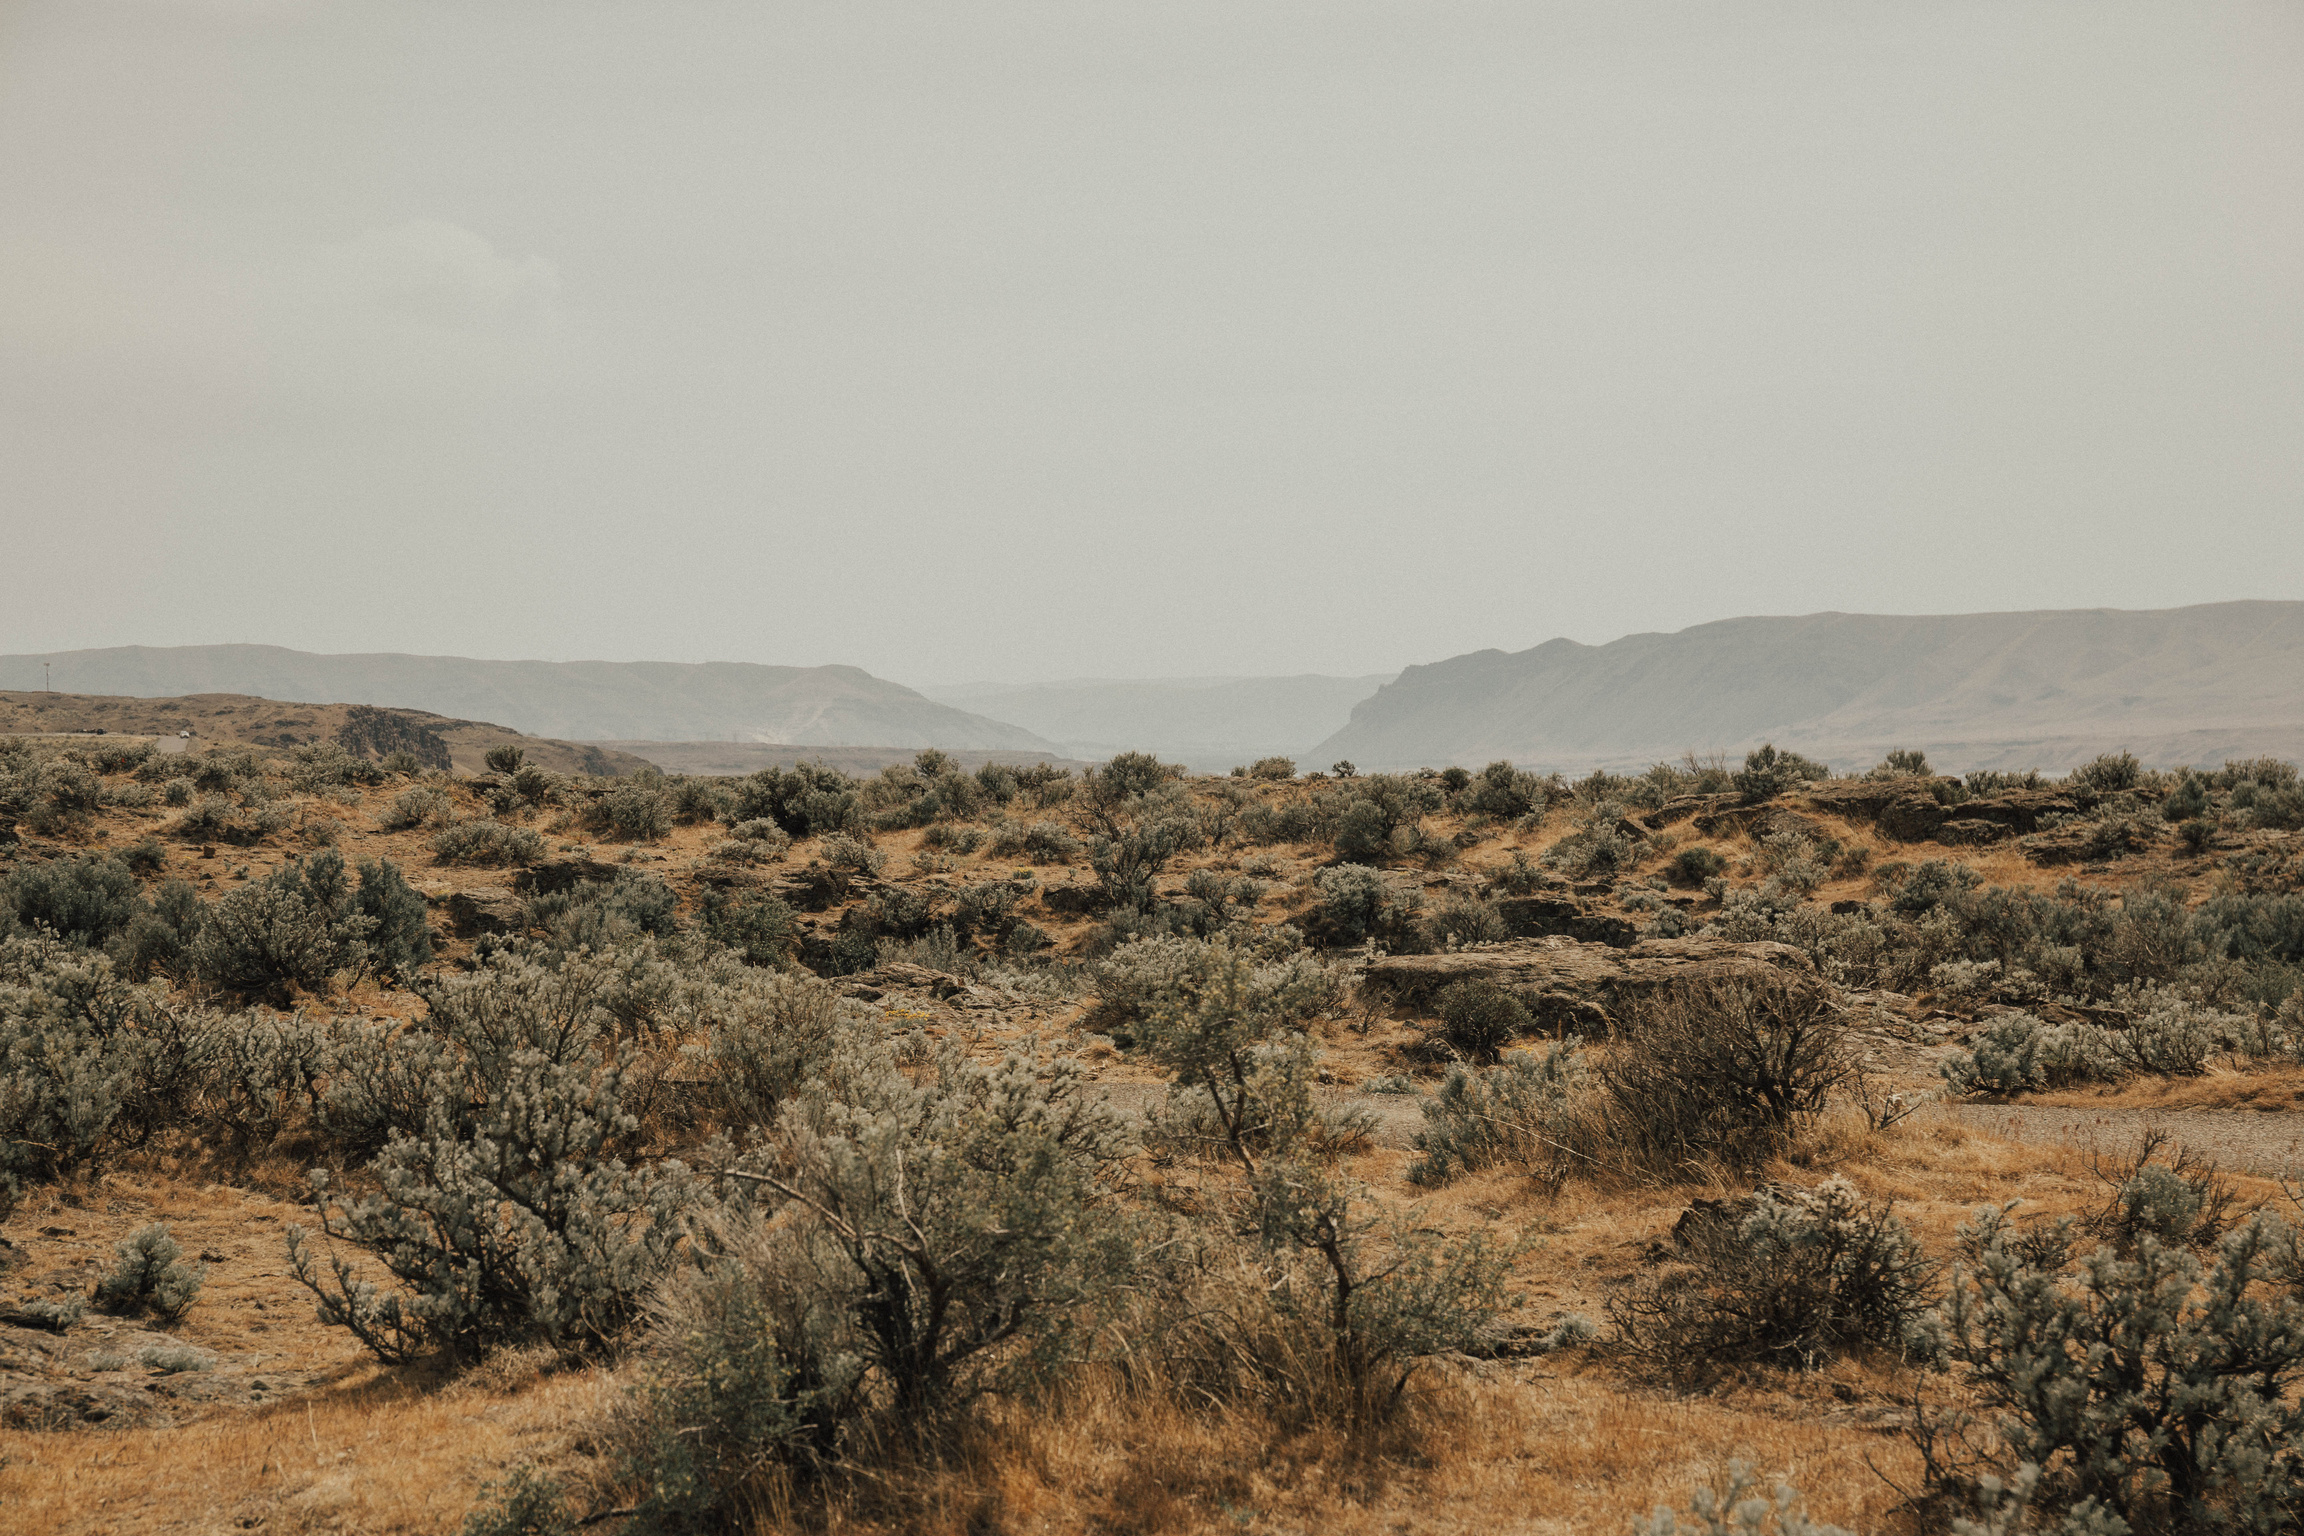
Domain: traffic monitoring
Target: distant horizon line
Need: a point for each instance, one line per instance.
(1166, 680)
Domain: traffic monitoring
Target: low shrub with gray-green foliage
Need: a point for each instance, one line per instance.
(1796, 1278)
(1739, 1507)
(1290, 987)
(641, 809)
(806, 800)
(486, 842)
(1768, 772)
(1503, 792)
(1137, 819)
(1382, 816)
(294, 928)
(951, 1233)
(1603, 845)
(79, 1046)
(84, 901)
(2145, 1393)
(1463, 919)
(760, 927)
(1485, 1116)
(845, 855)
(503, 1196)
(418, 806)
(1378, 1295)
(1358, 904)
(1041, 842)
(149, 1275)
(2016, 1052)
(770, 1036)
(1479, 1018)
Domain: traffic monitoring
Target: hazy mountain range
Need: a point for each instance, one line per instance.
(573, 700)
(2047, 689)
(1210, 724)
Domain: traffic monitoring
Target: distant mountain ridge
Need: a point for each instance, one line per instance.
(570, 700)
(2046, 689)
(1210, 724)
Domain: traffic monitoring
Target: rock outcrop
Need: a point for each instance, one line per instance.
(1574, 985)
(487, 909)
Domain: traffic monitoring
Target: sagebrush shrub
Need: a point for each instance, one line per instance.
(1497, 1114)
(763, 928)
(2109, 773)
(641, 810)
(1503, 792)
(294, 928)
(2016, 1052)
(808, 800)
(1479, 1018)
(503, 1197)
(957, 1227)
(83, 901)
(1694, 866)
(485, 842)
(1162, 973)
(1800, 1276)
(1465, 919)
(1723, 1071)
(1768, 772)
(421, 805)
(847, 855)
(2150, 1390)
(1358, 903)
(149, 1276)
(75, 1041)
(1739, 1508)
(1041, 842)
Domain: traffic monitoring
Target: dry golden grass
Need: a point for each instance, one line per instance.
(2271, 1088)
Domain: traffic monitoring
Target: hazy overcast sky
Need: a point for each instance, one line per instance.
(1007, 340)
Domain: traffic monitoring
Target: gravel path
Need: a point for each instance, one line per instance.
(2248, 1140)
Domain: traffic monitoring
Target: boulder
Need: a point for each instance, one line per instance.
(1756, 821)
(1573, 984)
(1963, 831)
(2019, 810)
(1913, 817)
(487, 909)
(1685, 806)
(2087, 842)
(1866, 799)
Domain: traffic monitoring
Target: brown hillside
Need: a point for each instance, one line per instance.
(236, 719)
(727, 758)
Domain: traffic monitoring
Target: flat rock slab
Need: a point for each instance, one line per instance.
(1569, 984)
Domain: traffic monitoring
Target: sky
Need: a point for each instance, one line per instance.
(1001, 340)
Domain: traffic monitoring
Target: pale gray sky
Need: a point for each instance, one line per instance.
(1006, 340)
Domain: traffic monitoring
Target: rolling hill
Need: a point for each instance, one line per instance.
(1208, 723)
(2046, 689)
(224, 719)
(571, 700)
